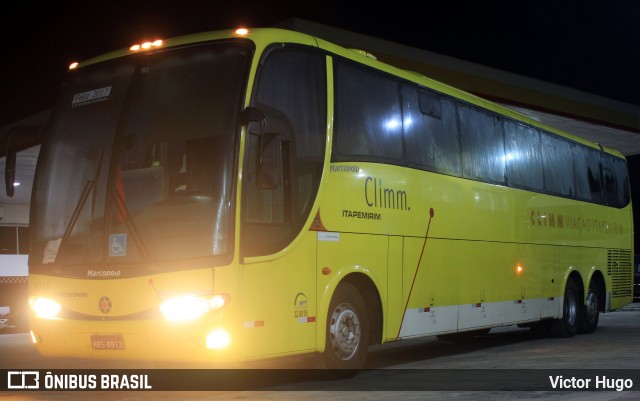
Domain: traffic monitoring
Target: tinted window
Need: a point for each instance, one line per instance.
(430, 131)
(609, 181)
(482, 142)
(586, 164)
(616, 181)
(142, 148)
(522, 156)
(291, 92)
(464, 140)
(557, 159)
(368, 119)
(622, 182)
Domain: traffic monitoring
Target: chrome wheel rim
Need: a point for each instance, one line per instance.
(591, 307)
(344, 331)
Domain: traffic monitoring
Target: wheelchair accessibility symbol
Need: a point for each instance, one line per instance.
(118, 245)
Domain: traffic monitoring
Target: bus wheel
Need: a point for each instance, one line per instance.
(348, 334)
(567, 326)
(590, 311)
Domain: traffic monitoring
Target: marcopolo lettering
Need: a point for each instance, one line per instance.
(103, 273)
(344, 169)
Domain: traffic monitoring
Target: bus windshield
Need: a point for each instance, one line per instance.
(137, 167)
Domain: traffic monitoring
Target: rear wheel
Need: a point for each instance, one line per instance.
(590, 311)
(348, 330)
(568, 324)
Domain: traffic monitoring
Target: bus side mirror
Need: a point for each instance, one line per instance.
(253, 118)
(18, 138)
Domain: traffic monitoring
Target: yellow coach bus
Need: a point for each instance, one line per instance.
(260, 193)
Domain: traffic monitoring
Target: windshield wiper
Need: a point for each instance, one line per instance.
(89, 187)
(86, 191)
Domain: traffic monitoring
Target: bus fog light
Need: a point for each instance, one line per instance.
(218, 339)
(45, 308)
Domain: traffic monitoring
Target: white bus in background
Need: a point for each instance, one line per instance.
(13, 276)
(14, 221)
(14, 243)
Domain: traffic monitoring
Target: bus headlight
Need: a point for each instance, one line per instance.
(44, 307)
(190, 307)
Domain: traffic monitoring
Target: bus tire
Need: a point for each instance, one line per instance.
(590, 311)
(568, 324)
(348, 333)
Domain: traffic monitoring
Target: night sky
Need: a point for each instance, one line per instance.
(588, 45)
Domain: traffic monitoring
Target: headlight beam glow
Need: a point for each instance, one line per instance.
(45, 308)
(190, 307)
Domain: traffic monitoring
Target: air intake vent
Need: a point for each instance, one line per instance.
(619, 268)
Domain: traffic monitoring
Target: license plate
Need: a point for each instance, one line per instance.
(111, 342)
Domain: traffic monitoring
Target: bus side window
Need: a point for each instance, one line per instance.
(557, 160)
(608, 176)
(291, 88)
(622, 182)
(430, 132)
(522, 156)
(482, 143)
(616, 181)
(368, 120)
(586, 163)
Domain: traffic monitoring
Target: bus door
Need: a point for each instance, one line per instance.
(284, 157)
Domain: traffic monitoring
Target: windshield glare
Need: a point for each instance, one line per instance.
(138, 164)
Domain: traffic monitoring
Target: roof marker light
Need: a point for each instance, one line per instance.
(146, 45)
(241, 31)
